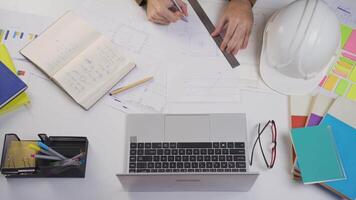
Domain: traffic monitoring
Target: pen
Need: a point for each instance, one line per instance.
(71, 161)
(64, 163)
(131, 85)
(78, 157)
(45, 147)
(38, 149)
(38, 156)
(180, 10)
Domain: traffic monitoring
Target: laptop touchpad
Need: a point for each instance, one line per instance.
(185, 128)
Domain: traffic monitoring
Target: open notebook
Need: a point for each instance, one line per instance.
(79, 59)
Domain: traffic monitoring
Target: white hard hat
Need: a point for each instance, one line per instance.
(299, 41)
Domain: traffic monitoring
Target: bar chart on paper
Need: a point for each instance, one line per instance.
(18, 29)
(6, 35)
(15, 40)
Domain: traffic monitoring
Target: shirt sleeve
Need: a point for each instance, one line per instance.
(143, 2)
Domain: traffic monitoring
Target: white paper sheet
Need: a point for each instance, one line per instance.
(171, 54)
(17, 29)
(345, 11)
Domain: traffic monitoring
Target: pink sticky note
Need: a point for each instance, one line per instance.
(351, 43)
(348, 55)
(322, 81)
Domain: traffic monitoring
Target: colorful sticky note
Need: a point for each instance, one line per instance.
(345, 64)
(341, 87)
(351, 43)
(353, 75)
(344, 69)
(322, 81)
(346, 60)
(345, 34)
(339, 70)
(352, 92)
(349, 56)
(330, 82)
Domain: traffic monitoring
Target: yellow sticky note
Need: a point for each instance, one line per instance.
(353, 75)
(346, 60)
(330, 82)
(341, 87)
(1, 34)
(341, 71)
(23, 98)
(352, 92)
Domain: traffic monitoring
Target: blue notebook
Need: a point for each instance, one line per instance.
(10, 85)
(318, 157)
(342, 118)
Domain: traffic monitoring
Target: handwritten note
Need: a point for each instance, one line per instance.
(90, 71)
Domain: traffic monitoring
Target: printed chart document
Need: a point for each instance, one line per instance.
(17, 29)
(79, 59)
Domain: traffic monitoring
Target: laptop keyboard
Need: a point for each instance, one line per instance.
(184, 157)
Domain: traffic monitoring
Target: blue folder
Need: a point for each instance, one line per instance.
(345, 139)
(10, 85)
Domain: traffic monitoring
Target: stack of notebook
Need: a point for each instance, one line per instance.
(323, 134)
(12, 88)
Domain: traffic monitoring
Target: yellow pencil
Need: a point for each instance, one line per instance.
(131, 85)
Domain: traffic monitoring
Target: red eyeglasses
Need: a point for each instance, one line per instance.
(272, 124)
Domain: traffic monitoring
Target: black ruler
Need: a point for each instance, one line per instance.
(210, 27)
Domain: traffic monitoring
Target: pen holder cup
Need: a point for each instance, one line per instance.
(67, 146)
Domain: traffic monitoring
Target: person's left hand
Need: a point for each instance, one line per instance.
(236, 21)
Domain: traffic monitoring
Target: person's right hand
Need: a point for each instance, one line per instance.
(158, 11)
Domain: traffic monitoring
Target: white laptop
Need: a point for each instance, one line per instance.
(186, 152)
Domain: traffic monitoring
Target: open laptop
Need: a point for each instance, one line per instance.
(186, 152)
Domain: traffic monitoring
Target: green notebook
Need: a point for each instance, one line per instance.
(317, 154)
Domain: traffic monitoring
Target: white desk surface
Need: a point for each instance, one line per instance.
(54, 113)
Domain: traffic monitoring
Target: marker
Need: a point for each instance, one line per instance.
(38, 156)
(180, 10)
(74, 161)
(78, 157)
(45, 147)
(67, 162)
(38, 149)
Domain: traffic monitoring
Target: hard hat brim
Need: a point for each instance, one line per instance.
(284, 84)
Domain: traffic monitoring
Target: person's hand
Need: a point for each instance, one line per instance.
(161, 12)
(236, 22)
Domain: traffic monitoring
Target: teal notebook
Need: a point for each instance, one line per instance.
(317, 154)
